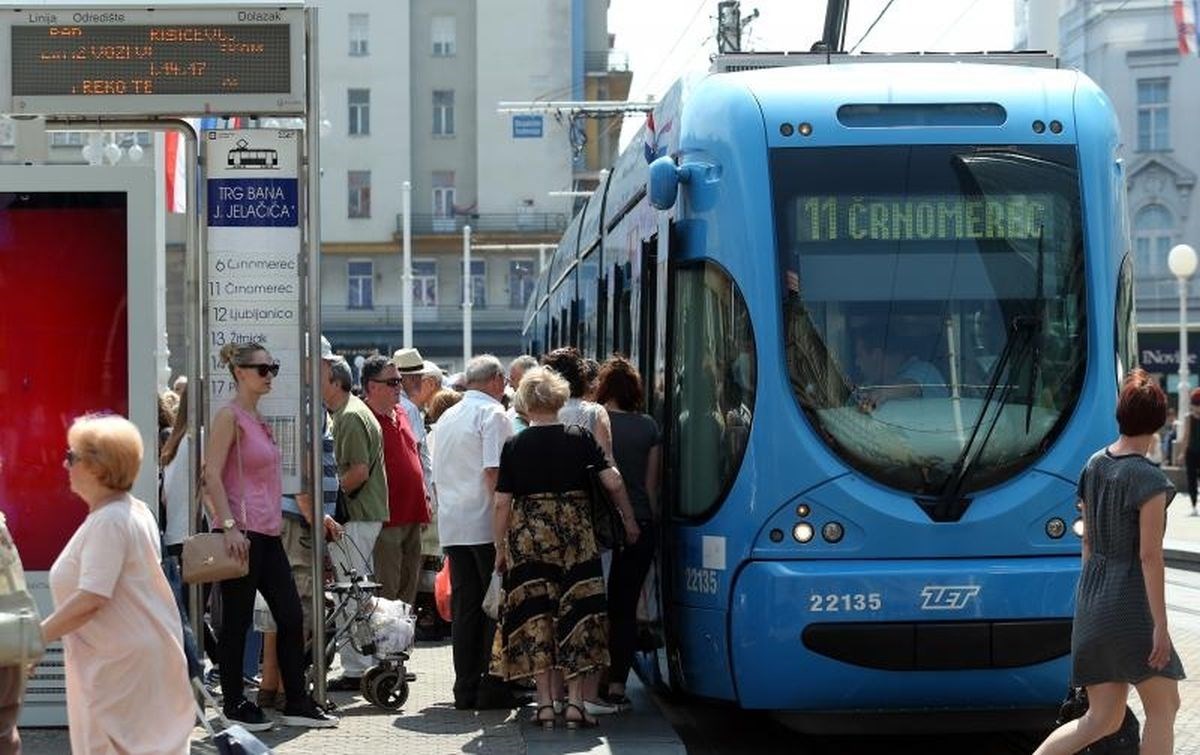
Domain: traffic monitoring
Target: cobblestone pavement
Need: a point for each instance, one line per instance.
(428, 723)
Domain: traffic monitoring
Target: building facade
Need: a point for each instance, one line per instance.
(1131, 50)
(411, 91)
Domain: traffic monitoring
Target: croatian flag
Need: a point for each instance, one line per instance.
(650, 143)
(175, 171)
(1186, 12)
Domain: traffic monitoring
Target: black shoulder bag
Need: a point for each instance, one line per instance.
(341, 510)
(607, 526)
(1125, 741)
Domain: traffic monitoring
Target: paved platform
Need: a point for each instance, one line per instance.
(429, 725)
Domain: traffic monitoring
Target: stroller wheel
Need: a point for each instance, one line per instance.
(367, 683)
(388, 690)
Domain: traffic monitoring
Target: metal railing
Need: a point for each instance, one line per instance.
(446, 316)
(487, 222)
(602, 61)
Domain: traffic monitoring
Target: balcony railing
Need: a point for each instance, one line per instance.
(495, 222)
(604, 61)
(447, 317)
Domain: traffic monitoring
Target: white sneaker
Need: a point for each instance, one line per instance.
(599, 708)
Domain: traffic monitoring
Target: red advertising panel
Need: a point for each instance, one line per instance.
(64, 350)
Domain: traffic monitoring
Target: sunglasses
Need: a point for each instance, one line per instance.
(391, 382)
(72, 457)
(263, 369)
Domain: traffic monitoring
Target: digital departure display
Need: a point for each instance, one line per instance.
(144, 59)
(925, 218)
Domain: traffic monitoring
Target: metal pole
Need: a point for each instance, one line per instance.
(406, 274)
(312, 218)
(1182, 411)
(195, 262)
(466, 295)
(541, 258)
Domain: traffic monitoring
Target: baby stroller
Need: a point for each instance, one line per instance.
(375, 627)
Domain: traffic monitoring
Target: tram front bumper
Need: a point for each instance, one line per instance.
(968, 634)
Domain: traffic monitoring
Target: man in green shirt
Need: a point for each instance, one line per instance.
(358, 451)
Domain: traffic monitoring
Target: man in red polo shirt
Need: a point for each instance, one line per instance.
(398, 547)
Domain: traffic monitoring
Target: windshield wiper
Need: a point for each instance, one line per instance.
(1039, 302)
(1024, 332)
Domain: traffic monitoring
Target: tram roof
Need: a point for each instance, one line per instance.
(907, 82)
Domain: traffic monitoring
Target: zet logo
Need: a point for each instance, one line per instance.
(947, 597)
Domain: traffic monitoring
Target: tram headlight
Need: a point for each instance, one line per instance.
(803, 532)
(1056, 528)
(1077, 527)
(832, 532)
(803, 511)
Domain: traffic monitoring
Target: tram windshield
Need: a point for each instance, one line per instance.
(933, 302)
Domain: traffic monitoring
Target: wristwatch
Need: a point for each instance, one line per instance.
(228, 524)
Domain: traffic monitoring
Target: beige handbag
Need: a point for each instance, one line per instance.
(20, 623)
(204, 556)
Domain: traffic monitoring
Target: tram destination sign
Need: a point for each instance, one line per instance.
(170, 61)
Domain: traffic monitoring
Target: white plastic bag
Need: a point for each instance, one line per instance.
(263, 620)
(394, 626)
(491, 598)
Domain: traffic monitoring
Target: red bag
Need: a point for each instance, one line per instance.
(441, 590)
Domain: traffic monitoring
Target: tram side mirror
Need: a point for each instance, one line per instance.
(664, 183)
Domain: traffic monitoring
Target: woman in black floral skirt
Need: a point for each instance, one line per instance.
(554, 615)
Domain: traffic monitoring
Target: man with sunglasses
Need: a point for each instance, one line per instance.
(358, 450)
(398, 548)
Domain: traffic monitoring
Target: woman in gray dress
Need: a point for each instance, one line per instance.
(1120, 635)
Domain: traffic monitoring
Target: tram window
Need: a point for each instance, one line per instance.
(713, 375)
(934, 306)
(1126, 331)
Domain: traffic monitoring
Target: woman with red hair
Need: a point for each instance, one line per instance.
(1119, 637)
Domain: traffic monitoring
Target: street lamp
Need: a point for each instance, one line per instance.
(1182, 262)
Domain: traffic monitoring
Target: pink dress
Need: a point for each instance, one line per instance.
(127, 685)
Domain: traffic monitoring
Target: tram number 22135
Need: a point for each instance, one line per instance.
(844, 602)
(703, 581)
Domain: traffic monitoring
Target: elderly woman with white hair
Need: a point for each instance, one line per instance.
(554, 616)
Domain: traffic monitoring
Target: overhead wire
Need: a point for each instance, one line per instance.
(871, 28)
(953, 23)
(688, 27)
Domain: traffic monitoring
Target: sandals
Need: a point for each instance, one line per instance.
(545, 723)
(583, 722)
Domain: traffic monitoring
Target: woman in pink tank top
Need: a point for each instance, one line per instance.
(244, 482)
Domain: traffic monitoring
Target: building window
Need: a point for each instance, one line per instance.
(478, 283)
(359, 117)
(360, 26)
(359, 205)
(443, 36)
(1153, 115)
(443, 112)
(424, 283)
(443, 200)
(360, 284)
(1152, 234)
(521, 280)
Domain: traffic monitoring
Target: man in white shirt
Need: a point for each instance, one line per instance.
(466, 463)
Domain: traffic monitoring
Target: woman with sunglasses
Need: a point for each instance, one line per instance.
(244, 482)
(114, 611)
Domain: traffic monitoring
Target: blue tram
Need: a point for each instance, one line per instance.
(881, 309)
